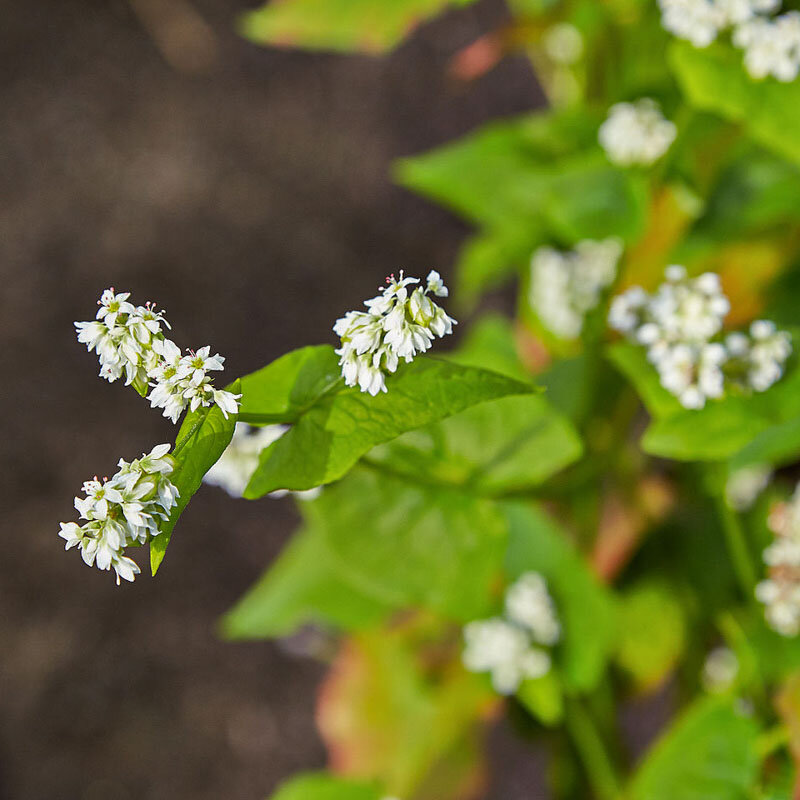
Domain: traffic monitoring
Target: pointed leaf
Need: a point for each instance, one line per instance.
(201, 440)
(329, 439)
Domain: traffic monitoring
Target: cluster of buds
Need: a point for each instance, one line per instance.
(681, 326)
(512, 648)
(636, 133)
(130, 342)
(771, 43)
(780, 592)
(123, 510)
(565, 286)
(397, 325)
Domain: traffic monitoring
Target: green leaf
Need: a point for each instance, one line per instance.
(583, 604)
(284, 389)
(490, 344)
(201, 440)
(631, 361)
(517, 171)
(322, 786)
(411, 544)
(342, 25)
(301, 586)
(708, 754)
(394, 710)
(714, 79)
(542, 697)
(647, 652)
(754, 193)
(777, 445)
(505, 445)
(330, 438)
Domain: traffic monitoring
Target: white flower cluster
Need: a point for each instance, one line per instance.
(564, 286)
(681, 324)
(780, 592)
(511, 647)
(123, 510)
(745, 485)
(771, 43)
(239, 461)
(636, 133)
(397, 325)
(771, 46)
(129, 340)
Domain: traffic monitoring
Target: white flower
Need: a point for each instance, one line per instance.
(563, 43)
(720, 669)
(123, 510)
(636, 133)
(509, 648)
(528, 603)
(398, 325)
(699, 21)
(564, 287)
(436, 284)
(772, 46)
(239, 461)
(780, 592)
(745, 485)
(129, 341)
(504, 650)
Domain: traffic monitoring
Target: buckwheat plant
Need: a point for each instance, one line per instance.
(579, 507)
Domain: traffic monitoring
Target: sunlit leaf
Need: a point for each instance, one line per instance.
(345, 25)
(302, 586)
(322, 786)
(412, 544)
(289, 386)
(335, 432)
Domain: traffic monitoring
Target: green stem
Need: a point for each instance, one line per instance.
(589, 744)
(737, 545)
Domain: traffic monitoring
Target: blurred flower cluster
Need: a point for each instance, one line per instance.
(771, 44)
(239, 461)
(565, 286)
(129, 340)
(780, 592)
(636, 133)
(511, 647)
(398, 325)
(681, 324)
(123, 510)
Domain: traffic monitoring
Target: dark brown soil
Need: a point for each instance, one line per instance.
(252, 201)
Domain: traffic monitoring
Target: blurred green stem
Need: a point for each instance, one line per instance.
(737, 544)
(589, 743)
